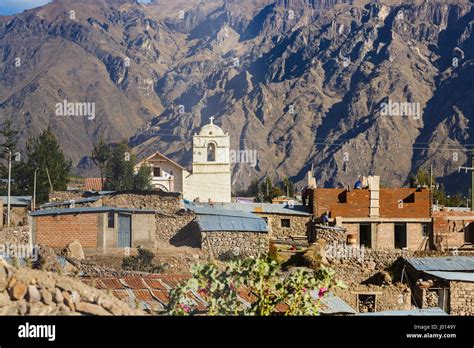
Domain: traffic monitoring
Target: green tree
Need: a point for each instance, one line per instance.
(120, 175)
(101, 155)
(268, 191)
(9, 134)
(422, 178)
(46, 156)
(142, 179)
(119, 171)
(288, 187)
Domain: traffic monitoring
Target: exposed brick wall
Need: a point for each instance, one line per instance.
(395, 203)
(59, 231)
(461, 298)
(416, 203)
(340, 202)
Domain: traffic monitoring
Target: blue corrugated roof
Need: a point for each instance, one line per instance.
(331, 304)
(79, 201)
(265, 208)
(90, 210)
(449, 263)
(230, 223)
(17, 200)
(409, 312)
(460, 276)
(209, 210)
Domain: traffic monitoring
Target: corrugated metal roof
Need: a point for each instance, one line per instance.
(211, 210)
(209, 223)
(93, 184)
(460, 276)
(409, 312)
(69, 202)
(265, 208)
(331, 304)
(152, 292)
(17, 200)
(90, 210)
(449, 263)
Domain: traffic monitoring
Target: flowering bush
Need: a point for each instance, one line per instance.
(259, 276)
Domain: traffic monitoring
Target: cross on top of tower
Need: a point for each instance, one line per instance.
(212, 119)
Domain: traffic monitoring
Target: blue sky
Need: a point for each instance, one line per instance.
(8, 7)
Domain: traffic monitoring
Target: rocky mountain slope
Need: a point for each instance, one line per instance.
(302, 82)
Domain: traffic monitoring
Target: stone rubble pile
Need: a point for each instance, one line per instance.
(24, 291)
(15, 235)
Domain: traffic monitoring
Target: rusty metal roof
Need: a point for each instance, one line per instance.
(151, 293)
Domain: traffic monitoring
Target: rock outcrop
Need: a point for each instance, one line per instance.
(24, 291)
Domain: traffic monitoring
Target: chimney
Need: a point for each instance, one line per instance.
(374, 189)
(311, 180)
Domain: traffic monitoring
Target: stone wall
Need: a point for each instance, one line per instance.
(171, 219)
(227, 244)
(461, 298)
(298, 225)
(16, 235)
(167, 202)
(32, 292)
(388, 298)
(173, 228)
(60, 196)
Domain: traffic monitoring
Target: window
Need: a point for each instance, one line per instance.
(366, 303)
(157, 172)
(285, 223)
(211, 152)
(111, 219)
(424, 230)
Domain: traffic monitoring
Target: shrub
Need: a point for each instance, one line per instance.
(143, 262)
(259, 276)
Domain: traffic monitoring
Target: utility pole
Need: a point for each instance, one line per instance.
(9, 185)
(431, 176)
(49, 179)
(34, 191)
(471, 169)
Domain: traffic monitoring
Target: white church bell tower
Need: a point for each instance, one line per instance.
(210, 179)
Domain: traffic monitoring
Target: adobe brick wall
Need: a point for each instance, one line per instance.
(352, 229)
(461, 298)
(415, 239)
(59, 231)
(385, 236)
(448, 227)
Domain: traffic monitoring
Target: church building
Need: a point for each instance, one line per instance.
(209, 179)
